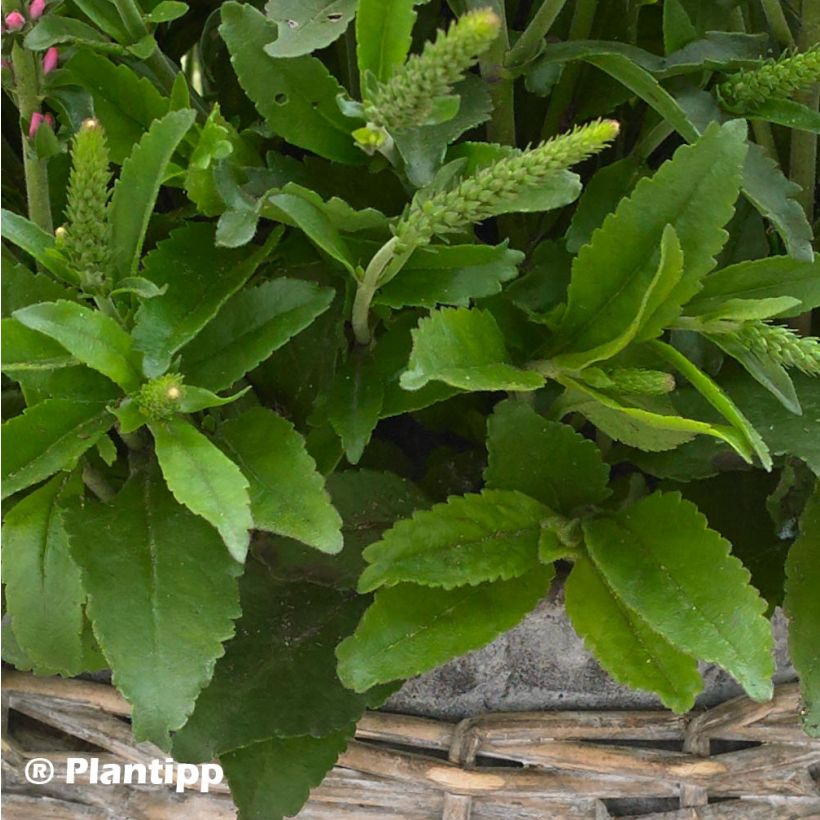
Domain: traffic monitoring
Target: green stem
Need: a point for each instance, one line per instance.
(97, 483)
(532, 38)
(27, 83)
(778, 23)
(564, 91)
(367, 287)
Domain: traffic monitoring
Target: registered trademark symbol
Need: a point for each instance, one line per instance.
(39, 771)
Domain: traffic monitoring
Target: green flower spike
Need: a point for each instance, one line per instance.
(160, 398)
(410, 97)
(85, 238)
(781, 345)
(638, 380)
(775, 79)
(478, 197)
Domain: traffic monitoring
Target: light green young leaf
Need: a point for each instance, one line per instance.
(90, 336)
(43, 589)
(135, 193)
(271, 779)
(200, 279)
(383, 35)
(249, 327)
(469, 540)
(612, 273)
(464, 348)
(296, 96)
(803, 607)
(288, 495)
(307, 25)
(410, 629)
(48, 437)
(205, 480)
(624, 644)
(162, 624)
(662, 561)
(166, 11)
(545, 459)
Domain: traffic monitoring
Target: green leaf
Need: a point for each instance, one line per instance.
(307, 25)
(470, 539)
(284, 643)
(787, 113)
(26, 351)
(125, 103)
(89, 335)
(35, 241)
(52, 29)
(48, 437)
(166, 11)
(624, 644)
(43, 590)
(769, 278)
(662, 561)
(287, 494)
(135, 193)
(410, 629)
(545, 459)
(451, 275)
(249, 327)
(383, 35)
(162, 598)
(21, 287)
(678, 30)
(196, 399)
(296, 96)
(803, 608)
(205, 480)
(466, 349)
(272, 779)
(694, 192)
(200, 278)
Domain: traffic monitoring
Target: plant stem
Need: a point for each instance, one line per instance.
(366, 290)
(778, 23)
(533, 35)
(97, 483)
(27, 81)
(564, 91)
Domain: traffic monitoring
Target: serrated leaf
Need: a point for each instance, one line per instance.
(469, 540)
(287, 494)
(611, 274)
(272, 779)
(135, 193)
(161, 625)
(772, 277)
(307, 25)
(205, 480)
(466, 349)
(250, 326)
(451, 275)
(803, 607)
(296, 96)
(545, 459)
(383, 35)
(624, 644)
(662, 561)
(89, 335)
(200, 278)
(284, 642)
(48, 437)
(410, 629)
(44, 594)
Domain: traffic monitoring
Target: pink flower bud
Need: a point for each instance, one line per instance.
(36, 9)
(50, 120)
(5, 63)
(37, 119)
(15, 21)
(51, 59)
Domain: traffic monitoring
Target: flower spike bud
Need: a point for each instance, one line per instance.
(37, 119)
(781, 345)
(160, 398)
(86, 243)
(775, 79)
(36, 9)
(15, 21)
(51, 59)
(477, 197)
(410, 96)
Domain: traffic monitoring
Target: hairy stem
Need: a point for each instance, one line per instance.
(27, 81)
(532, 38)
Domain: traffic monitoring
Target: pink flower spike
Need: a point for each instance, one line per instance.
(36, 9)
(15, 21)
(51, 59)
(37, 119)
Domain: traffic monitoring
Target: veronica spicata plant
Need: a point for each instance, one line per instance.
(337, 333)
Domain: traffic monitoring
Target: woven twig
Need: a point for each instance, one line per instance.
(511, 766)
